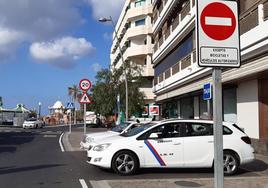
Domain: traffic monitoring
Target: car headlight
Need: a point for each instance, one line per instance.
(101, 147)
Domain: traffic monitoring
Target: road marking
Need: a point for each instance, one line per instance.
(60, 142)
(100, 184)
(50, 136)
(83, 183)
(220, 21)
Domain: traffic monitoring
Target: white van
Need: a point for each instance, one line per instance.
(91, 118)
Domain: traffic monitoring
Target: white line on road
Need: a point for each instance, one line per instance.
(60, 142)
(220, 21)
(83, 183)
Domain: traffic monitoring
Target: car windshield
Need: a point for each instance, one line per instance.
(137, 130)
(31, 119)
(119, 128)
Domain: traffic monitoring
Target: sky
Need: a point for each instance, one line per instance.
(47, 46)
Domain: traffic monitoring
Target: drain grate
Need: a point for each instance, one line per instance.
(187, 184)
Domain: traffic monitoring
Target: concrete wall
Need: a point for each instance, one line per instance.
(248, 108)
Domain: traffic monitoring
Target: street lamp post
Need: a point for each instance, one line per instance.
(121, 53)
(39, 110)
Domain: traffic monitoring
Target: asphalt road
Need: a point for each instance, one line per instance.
(33, 159)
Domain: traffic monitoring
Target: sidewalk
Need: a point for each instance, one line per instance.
(252, 182)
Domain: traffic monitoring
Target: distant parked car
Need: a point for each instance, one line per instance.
(119, 129)
(33, 123)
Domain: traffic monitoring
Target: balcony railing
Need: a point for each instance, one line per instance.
(186, 62)
(176, 68)
(182, 64)
(185, 10)
(176, 22)
(265, 10)
(249, 21)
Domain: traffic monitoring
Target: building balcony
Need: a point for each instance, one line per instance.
(182, 69)
(138, 50)
(148, 93)
(131, 14)
(254, 43)
(139, 11)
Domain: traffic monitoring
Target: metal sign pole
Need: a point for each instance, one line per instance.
(218, 138)
(85, 125)
(70, 123)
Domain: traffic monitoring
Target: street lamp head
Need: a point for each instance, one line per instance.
(103, 19)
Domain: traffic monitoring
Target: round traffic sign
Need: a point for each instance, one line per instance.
(85, 84)
(218, 21)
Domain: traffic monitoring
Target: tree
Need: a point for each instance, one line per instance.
(111, 83)
(75, 94)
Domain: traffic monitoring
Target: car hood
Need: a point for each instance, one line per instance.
(110, 139)
(101, 134)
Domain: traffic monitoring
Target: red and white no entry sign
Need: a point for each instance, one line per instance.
(218, 40)
(218, 21)
(85, 84)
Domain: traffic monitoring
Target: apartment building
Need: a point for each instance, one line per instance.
(134, 29)
(178, 80)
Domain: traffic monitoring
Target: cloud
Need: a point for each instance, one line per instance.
(28, 21)
(9, 41)
(96, 67)
(40, 19)
(106, 8)
(63, 52)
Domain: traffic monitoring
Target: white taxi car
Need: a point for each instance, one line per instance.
(172, 143)
(119, 129)
(32, 123)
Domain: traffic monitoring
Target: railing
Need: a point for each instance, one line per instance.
(161, 40)
(265, 10)
(155, 46)
(186, 62)
(185, 10)
(176, 22)
(161, 77)
(193, 3)
(176, 68)
(167, 74)
(179, 66)
(167, 33)
(249, 21)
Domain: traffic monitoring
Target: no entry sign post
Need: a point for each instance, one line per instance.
(218, 46)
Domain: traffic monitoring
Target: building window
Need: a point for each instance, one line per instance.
(139, 3)
(140, 22)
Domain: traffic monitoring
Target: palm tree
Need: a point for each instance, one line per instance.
(75, 94)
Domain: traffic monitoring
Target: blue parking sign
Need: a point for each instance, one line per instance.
(207, 91)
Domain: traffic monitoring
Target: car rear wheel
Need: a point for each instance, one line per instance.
(125, 163)
(230, 163)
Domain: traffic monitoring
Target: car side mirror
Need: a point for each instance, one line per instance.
(153, 136)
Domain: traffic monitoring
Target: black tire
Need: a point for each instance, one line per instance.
(125, 163)
(230, 163)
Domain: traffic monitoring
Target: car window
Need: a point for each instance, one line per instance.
(170, 130)
(199, 129)
(202, 129)
(137, 130)
(119, 128)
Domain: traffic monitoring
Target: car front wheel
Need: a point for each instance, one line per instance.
(230, 163)
(125, 163)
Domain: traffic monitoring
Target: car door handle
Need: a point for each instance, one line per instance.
(210, 142)
(177, 144)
